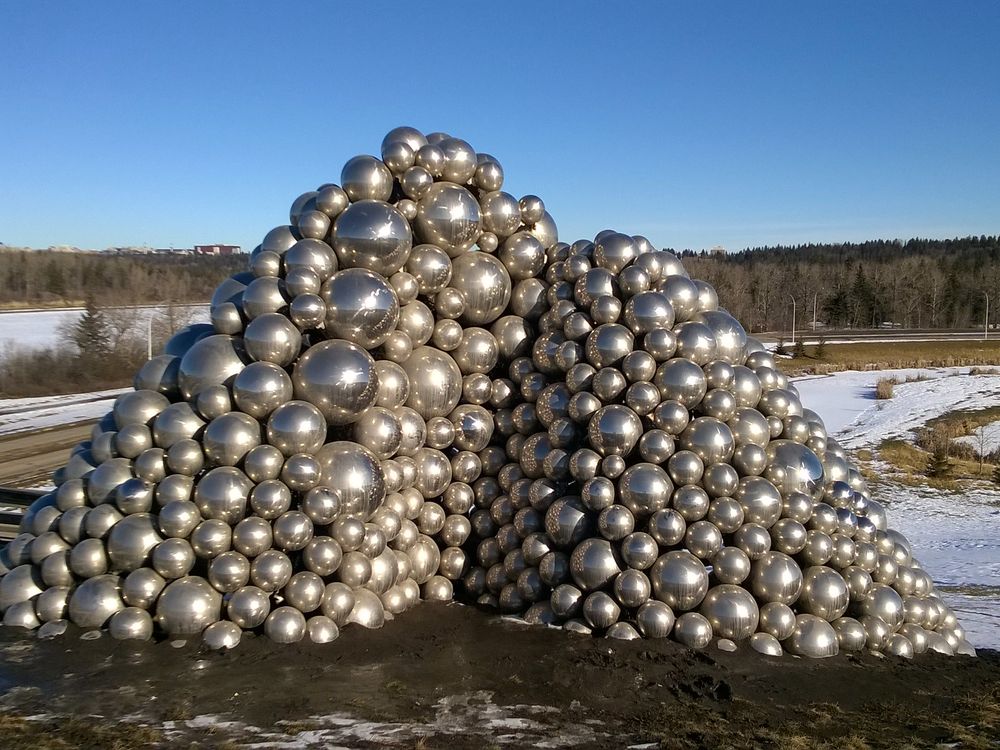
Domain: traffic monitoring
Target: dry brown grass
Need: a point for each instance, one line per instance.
(19, 733)
(887, 356)
(884, 388)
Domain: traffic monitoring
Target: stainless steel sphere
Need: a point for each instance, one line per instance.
(228, 438)
(366, 178)
(667, 527)
(639, 550)
(131, 623)
(368, 611)
(248, 607)
(214, 360)
(793, 467)
(435, 382)
(159, 374)
(593, 564)
(776, 577)
(271, 337)
(732, 611)
(681, 380)
(131, 540)
(731, 565)
(304, 591)
(600, 610)
(501, 213)
(710, 439)
(142, 587)
(614, 430)
(885, 603)
(693, 630)
(813, 637)
(103, 481)
(632, 588)
(824, 593)
(484, 286)
(851, 634)
(356, 474)
(362, 307)
(173, 558)
(295, 427)
(730, 337)
(292, 531)
(338, 378)
(222, 635)
(766, 644)
(52, 604)
(87, 559)
(373, 235)
(449, 217)
(285, 625)
(703, 539)
(229, 572)
(777, 619)
(94, 601)
(21, 584)
(679, 579)
(644, 488)
(685, 468)
(761, 501)
(175, 423)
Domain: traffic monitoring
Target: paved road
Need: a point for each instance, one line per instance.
(28, 459)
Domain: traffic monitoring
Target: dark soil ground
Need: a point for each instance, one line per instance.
(452, 676)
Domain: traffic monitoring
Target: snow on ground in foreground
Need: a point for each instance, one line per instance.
(954, 535)
(956, 538)
(39, 329)
(32, 414)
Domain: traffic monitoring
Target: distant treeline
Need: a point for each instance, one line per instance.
(34, 277)
(914, 284)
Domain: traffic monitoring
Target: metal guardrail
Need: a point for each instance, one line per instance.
(10, 519)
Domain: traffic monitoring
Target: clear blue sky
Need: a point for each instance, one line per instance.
(726, 123)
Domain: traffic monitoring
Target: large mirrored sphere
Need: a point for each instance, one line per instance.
(338, 378)
(362, 307)
(374, 235)
(448, 216)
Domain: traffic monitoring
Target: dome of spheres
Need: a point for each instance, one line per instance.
(416, 391)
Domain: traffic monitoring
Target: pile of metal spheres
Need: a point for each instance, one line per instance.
(418, 392)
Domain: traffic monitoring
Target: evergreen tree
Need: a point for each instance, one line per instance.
(939, 463)
(92, 334)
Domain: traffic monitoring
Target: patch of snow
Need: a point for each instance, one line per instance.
(954, 535)
(985, 440)
(465, 715)
(39, 413)
(39, 329)
(847, 403)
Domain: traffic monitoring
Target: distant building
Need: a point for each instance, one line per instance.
(717, 250)
(217, 249)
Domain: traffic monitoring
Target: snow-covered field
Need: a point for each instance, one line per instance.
(40, 328)
(32, 414)
(955, 535)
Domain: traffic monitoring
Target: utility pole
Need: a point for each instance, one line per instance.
(986, 323)
(793, 318)
(815, 300)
